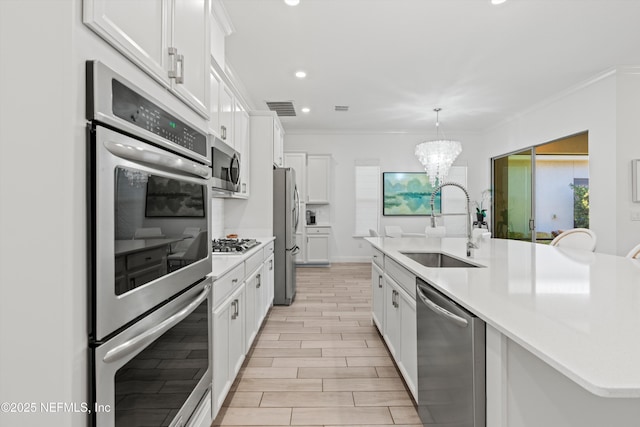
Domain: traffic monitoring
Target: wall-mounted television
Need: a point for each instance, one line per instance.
(168, 197)
(408, 193)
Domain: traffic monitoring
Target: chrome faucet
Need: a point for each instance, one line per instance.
(470, 244)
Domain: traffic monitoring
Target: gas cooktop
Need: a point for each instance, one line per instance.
(233, 246)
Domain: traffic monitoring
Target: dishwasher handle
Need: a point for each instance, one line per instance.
(459, 321)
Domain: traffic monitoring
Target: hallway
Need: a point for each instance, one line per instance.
(320, 361)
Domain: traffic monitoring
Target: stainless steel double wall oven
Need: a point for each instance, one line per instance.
(149, 255)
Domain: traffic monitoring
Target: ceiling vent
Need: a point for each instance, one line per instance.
(282, 108)
(342, 108)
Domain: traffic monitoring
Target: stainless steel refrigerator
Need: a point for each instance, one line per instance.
(286, 214)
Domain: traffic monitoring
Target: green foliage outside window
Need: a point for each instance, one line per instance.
(580, 206)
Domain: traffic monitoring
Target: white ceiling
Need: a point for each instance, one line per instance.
(393, 61)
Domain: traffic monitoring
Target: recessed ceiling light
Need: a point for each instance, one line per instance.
(301, 74)
(292, 2)
(498, 1)
(305, 109)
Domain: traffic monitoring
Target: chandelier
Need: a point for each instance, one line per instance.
(438, 156)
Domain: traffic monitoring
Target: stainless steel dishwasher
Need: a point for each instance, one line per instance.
(451, 361)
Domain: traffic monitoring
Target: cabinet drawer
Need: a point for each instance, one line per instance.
(401, 275)
(268, 250)
(253, 262)
(142, 258)
(378, 258)
(318, 230)
(227, 283)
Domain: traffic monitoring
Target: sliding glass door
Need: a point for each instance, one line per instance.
(540, 191)
(513, 205)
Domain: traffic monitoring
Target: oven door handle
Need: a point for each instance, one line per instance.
(143, 339)
(166, 161)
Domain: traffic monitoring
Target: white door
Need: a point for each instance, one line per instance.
(392, 319)
(317, 248)
(139, 29)
(191, 39)
(221, 319)
(236, 331)
(377, 293)
(226, 115)
(318, 170)
(409, 341)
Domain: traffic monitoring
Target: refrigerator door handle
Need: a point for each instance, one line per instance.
(297, 207)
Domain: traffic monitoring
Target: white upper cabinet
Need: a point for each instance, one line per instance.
(241, 141)
(318, 179)
(226, 113)
(168, 39)
(278, 144)
(191, 41)
(220, 28)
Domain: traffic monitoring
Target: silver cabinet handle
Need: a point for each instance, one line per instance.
(234, 280)
(180, 76)
(379, 281)
(223, 132)
(236, 310)
(259, 281)
(143, 339)
(441, 311)
(173, 56)
(270, 264)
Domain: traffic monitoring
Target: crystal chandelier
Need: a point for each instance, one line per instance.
(437, 156)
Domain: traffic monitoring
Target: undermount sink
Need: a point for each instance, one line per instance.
(437, 260)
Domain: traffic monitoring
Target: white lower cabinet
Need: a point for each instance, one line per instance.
(253, 305)
(408, 363)
(317, 250)
(377, 293)
(228, 344)
(394, 314)
(241, 302)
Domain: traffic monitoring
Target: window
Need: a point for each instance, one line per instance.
(367, 197)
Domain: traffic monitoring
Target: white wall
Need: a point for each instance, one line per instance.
(395, 153)
(627, 148)
(607, 107)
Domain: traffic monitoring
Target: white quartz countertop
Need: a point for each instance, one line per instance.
(578, 311)
(223, 263)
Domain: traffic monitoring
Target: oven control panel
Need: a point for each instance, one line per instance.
(139, 111)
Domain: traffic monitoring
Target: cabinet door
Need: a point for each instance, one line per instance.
(268, 282)
(236, 343)
(278, 144)
(138, 29)
(215, 86)
(408, 342)
(377, 294)
(318, 248)
(227, 105)
(251, 308)
(221, 375)
(318, 173)
(241, 141)
(191, 38)
(392, 316)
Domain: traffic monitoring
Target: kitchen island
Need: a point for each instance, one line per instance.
(562, 339)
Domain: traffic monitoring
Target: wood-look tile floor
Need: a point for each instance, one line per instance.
(320, 361)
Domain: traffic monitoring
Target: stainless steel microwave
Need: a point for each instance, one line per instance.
(225, 166)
